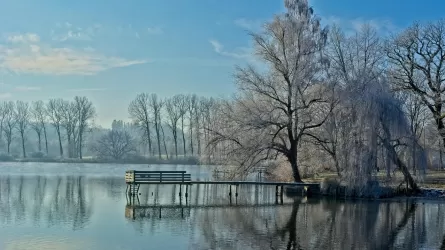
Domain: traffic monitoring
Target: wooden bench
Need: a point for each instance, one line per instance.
(164, 177)
(135, 178)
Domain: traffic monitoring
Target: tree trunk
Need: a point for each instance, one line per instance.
(183, 136)
(295, 172)
(70, 146)
(175, 138)
(403, 168)
(22, 134)
(158, 138)
(147, 128)
(191, 138)
(163, 139)
(414, 154)
(9, 146)
(60, 143)
(46, 139)
(440, 156)
(80, 143)
(39, 138)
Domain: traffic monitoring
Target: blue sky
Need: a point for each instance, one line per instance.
(110, 50)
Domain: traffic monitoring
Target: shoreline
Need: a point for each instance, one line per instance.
(154, 161)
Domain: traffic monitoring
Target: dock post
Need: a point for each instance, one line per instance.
(180, 189)
(281, 192)
(230, 190)
(186, 191)
(276, 190)
(236, 190)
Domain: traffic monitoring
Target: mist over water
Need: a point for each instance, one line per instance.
(76, 206)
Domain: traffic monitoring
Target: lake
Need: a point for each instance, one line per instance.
(84, 206)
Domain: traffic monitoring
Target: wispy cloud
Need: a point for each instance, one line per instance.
(46, 59)
(5, 95)
(26, 88)
(240, 53)
(350, 26)
(21, 38)
(67, 31)
(251, 25)
(87, 89)
(155, 30)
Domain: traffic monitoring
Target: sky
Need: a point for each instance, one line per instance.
(112, 50)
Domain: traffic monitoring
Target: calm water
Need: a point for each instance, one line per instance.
(75, 206)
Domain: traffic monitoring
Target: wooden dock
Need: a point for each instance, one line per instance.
(135, 178)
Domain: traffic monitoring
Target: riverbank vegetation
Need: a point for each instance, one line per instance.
(357, 104)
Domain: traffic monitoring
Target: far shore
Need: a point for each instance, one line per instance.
(172, 161)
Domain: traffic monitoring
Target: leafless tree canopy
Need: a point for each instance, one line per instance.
(116, 144)
(275, 109)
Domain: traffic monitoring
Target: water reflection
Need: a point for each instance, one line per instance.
(96, 211)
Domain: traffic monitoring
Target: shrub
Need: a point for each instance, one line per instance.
(6, 157)
(37, 155)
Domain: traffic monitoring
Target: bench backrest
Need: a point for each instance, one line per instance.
(133, 176)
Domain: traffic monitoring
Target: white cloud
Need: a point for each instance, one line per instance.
(87, 89)
(155, 30)
(250, 25)
(72, 35)
(68, 31)
(240, 53)
(5, 95)
(26, 88)
(21, 38)
(350, 26)
(49, 60)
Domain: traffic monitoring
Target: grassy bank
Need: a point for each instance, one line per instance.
(432, 179)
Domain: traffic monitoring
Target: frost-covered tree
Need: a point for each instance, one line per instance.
(417, 62)
(116, 144)
(279, 106)
(54, 107)
(139, 110)
(9, 123)
(174, 114)
(369, 121)
(39, 117)
(155, 105)
(85, 113)
(22, 116)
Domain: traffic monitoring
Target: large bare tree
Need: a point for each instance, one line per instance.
(22, 116)
(54, 108)
(183, 107)
(174, 113)
(277, 107)
(139, 110)
(417, 61)
(155, 105)
(70, 119)
(115, 144)
(9, 123)
(39, 116)
(85, 113)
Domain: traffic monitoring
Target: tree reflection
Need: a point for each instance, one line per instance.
(43, 200)
(323, 224)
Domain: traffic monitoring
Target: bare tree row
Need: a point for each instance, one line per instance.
(70, 118)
